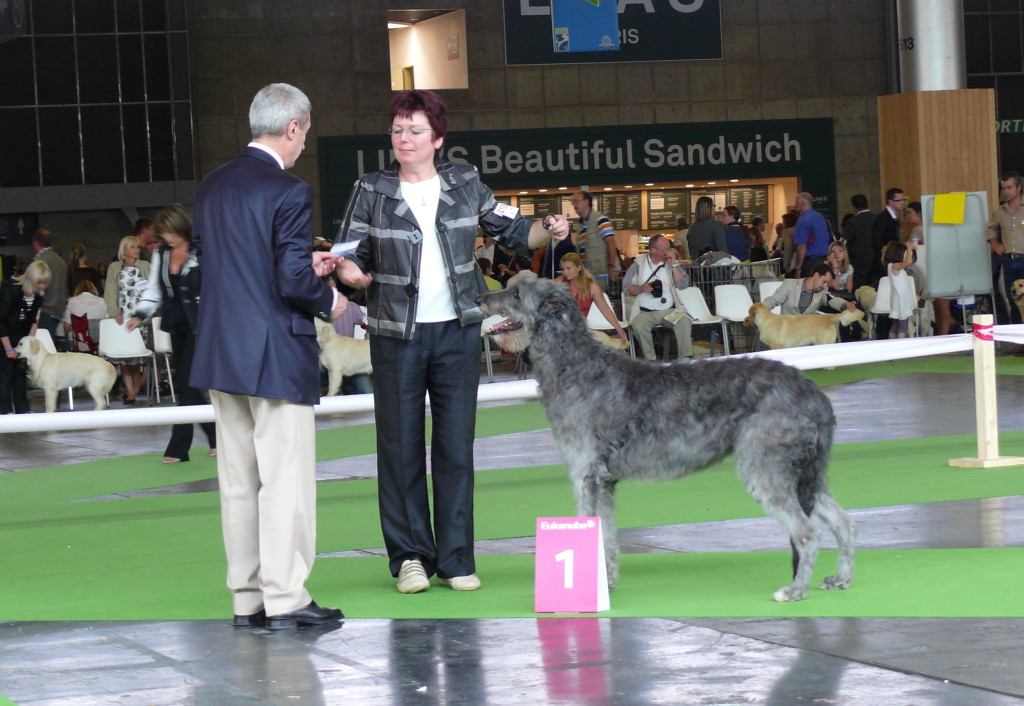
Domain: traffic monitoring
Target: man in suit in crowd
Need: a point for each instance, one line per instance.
(858, 241)
(256, 352)
(884, 230)
(807, 295)
(149, 241)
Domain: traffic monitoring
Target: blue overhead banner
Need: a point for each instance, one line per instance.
(648, 30)
(585, 25)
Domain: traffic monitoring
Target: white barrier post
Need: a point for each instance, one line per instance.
(985, 401)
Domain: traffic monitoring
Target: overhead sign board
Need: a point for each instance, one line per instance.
(584, 25)
(648, 30)
(18, 226)
(511, 159)
(12, 19)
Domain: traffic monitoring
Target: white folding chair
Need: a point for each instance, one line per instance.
(118, 343)
(597, 322)
(880, 307)
(732, 301)
(767, 288)
(162, 346)
(46, 341)
(697, 308)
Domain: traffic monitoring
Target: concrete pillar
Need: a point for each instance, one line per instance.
(931, 45)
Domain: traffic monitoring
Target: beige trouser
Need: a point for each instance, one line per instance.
(266, 465)
(644, 322)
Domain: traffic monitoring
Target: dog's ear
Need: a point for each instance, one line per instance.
(555, 304)
(34, 345)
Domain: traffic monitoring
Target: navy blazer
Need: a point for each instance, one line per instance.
(253, 234)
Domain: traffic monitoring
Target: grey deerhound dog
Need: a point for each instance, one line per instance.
(628, 418)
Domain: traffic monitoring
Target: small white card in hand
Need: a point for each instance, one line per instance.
(342, 249)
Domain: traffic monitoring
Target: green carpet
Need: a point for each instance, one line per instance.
(161, 557)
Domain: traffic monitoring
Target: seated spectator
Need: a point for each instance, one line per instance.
(493, 285)
(807, 295)
(88, 303)
(654, 280)
(587, 292)
(839, 262)
(755, 239)
(735, 237)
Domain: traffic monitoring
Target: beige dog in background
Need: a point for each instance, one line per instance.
(1017, 293)
(788, 331)
(341, 355)
(56, 371)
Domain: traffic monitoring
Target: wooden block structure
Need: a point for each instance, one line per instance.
(936, 142)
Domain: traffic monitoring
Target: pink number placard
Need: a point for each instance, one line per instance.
(570, 570)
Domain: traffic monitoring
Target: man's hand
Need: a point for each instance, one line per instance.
(323, 263)
(850, 306)
(997, 247)
(132, 324)
(339, 306)
(351, 274)
(119, 319)
(613, 274)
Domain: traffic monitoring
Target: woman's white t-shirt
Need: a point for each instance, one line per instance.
(435, 294)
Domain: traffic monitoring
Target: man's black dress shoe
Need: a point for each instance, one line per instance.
(310, 615)
(256, 620)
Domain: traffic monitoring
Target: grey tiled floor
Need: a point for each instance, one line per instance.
(565, 661)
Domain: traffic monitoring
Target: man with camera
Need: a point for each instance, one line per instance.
(654, 280)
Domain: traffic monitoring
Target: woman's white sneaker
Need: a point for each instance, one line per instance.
(460, 583)
(412, 578)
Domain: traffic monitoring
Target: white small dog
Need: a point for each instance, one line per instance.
(56, 371)
(341, 355)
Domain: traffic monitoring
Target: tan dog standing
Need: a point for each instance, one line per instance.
(56, 371)
(341, 355)
(789, 331)
(1017, 292)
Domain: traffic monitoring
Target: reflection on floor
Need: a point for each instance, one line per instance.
(565, 661)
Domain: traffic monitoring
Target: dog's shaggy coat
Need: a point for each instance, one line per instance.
(56, 371)
(633, 419)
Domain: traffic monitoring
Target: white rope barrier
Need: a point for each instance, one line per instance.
(521, 390)
(807, 358)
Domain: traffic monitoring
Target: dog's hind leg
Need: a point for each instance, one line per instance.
(99, 396)
(769, 479)
(845, 531)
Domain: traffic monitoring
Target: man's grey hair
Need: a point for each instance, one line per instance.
(806, 198)
(276, 105)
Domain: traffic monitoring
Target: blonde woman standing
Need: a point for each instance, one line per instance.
(126, 281)
(20, 299)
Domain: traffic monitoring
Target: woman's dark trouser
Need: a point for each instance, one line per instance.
(13, 386)
(444, 360)
(183, 343)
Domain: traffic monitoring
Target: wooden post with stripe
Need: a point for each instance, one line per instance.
(985, 401)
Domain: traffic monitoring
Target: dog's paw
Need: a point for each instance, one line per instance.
(788, 594)
(835, 583)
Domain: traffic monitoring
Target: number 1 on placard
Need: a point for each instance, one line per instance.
(566, 556)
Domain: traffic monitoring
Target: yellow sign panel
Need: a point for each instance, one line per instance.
(949, 208)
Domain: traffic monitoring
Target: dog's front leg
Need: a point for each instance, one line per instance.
(606, 511)
(50, 391)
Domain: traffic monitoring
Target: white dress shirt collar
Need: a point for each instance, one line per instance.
(272, 153)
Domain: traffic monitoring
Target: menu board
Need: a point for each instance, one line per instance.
(750, 200)
(539, 206)
(665, 207)
(623, 208)
(720, 197)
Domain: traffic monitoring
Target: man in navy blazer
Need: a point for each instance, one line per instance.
(256, 352)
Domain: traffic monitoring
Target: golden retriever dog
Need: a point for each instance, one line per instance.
(341, 355)
(609, 340)
(1017, 293)
(866, 297)
(56, 371)
(788, 331)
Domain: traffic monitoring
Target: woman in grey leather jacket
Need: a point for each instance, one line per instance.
(417, 225)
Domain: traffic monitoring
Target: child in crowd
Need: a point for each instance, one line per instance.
(897, 257)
